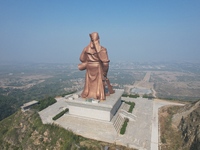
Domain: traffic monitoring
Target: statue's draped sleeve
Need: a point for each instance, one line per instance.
(83, 56)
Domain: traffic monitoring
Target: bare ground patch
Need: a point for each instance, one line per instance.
(176, 85)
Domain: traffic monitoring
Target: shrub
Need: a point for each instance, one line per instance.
(130, 95)
(60, 114)
(124, 95)
(123, 129)
(148, 96)
(44, 103)
(132, 105)
(68, 93)
(134, 96)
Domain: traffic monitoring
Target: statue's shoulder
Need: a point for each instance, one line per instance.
(86, 48)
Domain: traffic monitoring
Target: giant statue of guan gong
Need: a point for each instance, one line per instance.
(95, 60)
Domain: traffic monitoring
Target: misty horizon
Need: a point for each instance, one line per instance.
(133, 31)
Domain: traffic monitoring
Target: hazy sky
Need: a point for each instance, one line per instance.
(131, 30)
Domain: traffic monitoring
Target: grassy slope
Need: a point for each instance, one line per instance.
(26, 131)
(170, 136)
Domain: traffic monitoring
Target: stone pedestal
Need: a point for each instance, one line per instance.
(101, 110)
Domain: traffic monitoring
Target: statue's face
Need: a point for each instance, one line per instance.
(95, 41)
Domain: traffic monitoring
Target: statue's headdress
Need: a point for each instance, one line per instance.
(94, 36)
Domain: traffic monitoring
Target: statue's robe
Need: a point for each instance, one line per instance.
(94, 87)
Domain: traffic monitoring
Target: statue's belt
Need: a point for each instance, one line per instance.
(91, 62)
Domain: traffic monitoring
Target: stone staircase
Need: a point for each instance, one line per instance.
(125, 106)
(118, 123)
(128, 115)
(118, 119)
(120, 116)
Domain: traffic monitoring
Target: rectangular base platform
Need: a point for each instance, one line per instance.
(102, 110)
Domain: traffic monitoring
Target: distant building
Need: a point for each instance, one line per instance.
(26, 106)
(72, 96)
(141, 91)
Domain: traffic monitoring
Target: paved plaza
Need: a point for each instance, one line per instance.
(141, 133)
(138, 132)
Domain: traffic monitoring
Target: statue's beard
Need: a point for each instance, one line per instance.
(96, 46)
(92, 45)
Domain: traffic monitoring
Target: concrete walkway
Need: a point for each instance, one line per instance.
(157, 104)
(90, 128)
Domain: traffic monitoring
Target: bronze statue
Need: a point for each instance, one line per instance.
(95, 60)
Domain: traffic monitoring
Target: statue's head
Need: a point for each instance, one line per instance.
(94, 36)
